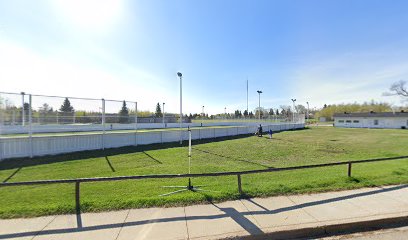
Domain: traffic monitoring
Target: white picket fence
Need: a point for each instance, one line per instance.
(15, 147)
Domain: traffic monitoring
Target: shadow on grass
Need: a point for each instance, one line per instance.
(109, 163)
(232, 158)
(12, 175)
(154, 159)
(27, 162)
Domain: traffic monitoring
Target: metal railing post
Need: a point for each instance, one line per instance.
(239, 184)
(349, 169)
(78, 204)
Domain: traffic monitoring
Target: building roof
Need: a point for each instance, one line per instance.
(372, 114)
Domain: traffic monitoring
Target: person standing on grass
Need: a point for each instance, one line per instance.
(260, 131)
(270, 133)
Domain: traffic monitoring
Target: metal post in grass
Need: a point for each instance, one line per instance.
(30, 123)
(189, 186)
(180, 75)
(239, 184)
(78, 204)
(349, 169)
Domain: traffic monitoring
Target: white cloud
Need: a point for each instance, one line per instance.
(349, 78)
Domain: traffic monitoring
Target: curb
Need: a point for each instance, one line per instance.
(331, 230)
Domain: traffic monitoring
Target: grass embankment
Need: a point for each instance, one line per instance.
(292, 148)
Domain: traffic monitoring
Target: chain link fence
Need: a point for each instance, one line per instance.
(35, 125)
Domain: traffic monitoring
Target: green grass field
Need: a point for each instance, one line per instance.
(291, 148)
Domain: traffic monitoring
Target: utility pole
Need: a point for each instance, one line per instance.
(247, 94)
(181, 106)
(259, 104)
(307, 114)
(293, 112)
(163, 116)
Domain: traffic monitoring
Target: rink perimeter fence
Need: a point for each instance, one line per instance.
(91, 124)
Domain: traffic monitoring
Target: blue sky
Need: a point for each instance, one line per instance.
(316, 51)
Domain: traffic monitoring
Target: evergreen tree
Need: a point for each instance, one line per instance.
(277, 111)
(158, 112)
(271, 112)
(236, 113)
(66, 106)
(245, 113)
(124, 114)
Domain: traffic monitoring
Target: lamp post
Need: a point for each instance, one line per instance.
(259, 104)
(225, 113)
(307, 113)
(164, 113)
(293, 112)
(23, 110)
(181, 106)
(202, 117)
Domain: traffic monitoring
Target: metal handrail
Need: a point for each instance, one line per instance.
(215, 174)
(78, 181)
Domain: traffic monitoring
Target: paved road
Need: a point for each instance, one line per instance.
(239, 218)
(388, 234)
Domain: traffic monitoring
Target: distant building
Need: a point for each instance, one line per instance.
(372, 120)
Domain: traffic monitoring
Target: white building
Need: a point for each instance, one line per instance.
(372, 120)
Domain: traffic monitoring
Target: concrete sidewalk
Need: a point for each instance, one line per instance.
(252, 218)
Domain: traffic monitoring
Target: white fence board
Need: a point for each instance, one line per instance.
(50, 145)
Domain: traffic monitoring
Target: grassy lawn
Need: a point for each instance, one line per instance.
(291, 148)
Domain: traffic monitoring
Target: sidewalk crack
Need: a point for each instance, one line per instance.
(121, 227)
(304, 210)
(185, 219)
(249, 211)
(44, 227)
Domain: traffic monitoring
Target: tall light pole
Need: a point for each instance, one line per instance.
(164, 125)
(181, 106)
(259, 104)
(22, 109)
(225, 113)
(247, 95)
(293, 112)
(307, 113)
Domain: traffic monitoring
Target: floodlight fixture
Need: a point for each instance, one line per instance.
(259, 104)
(294, 108)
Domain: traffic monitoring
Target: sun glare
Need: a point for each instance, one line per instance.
(94, 15)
